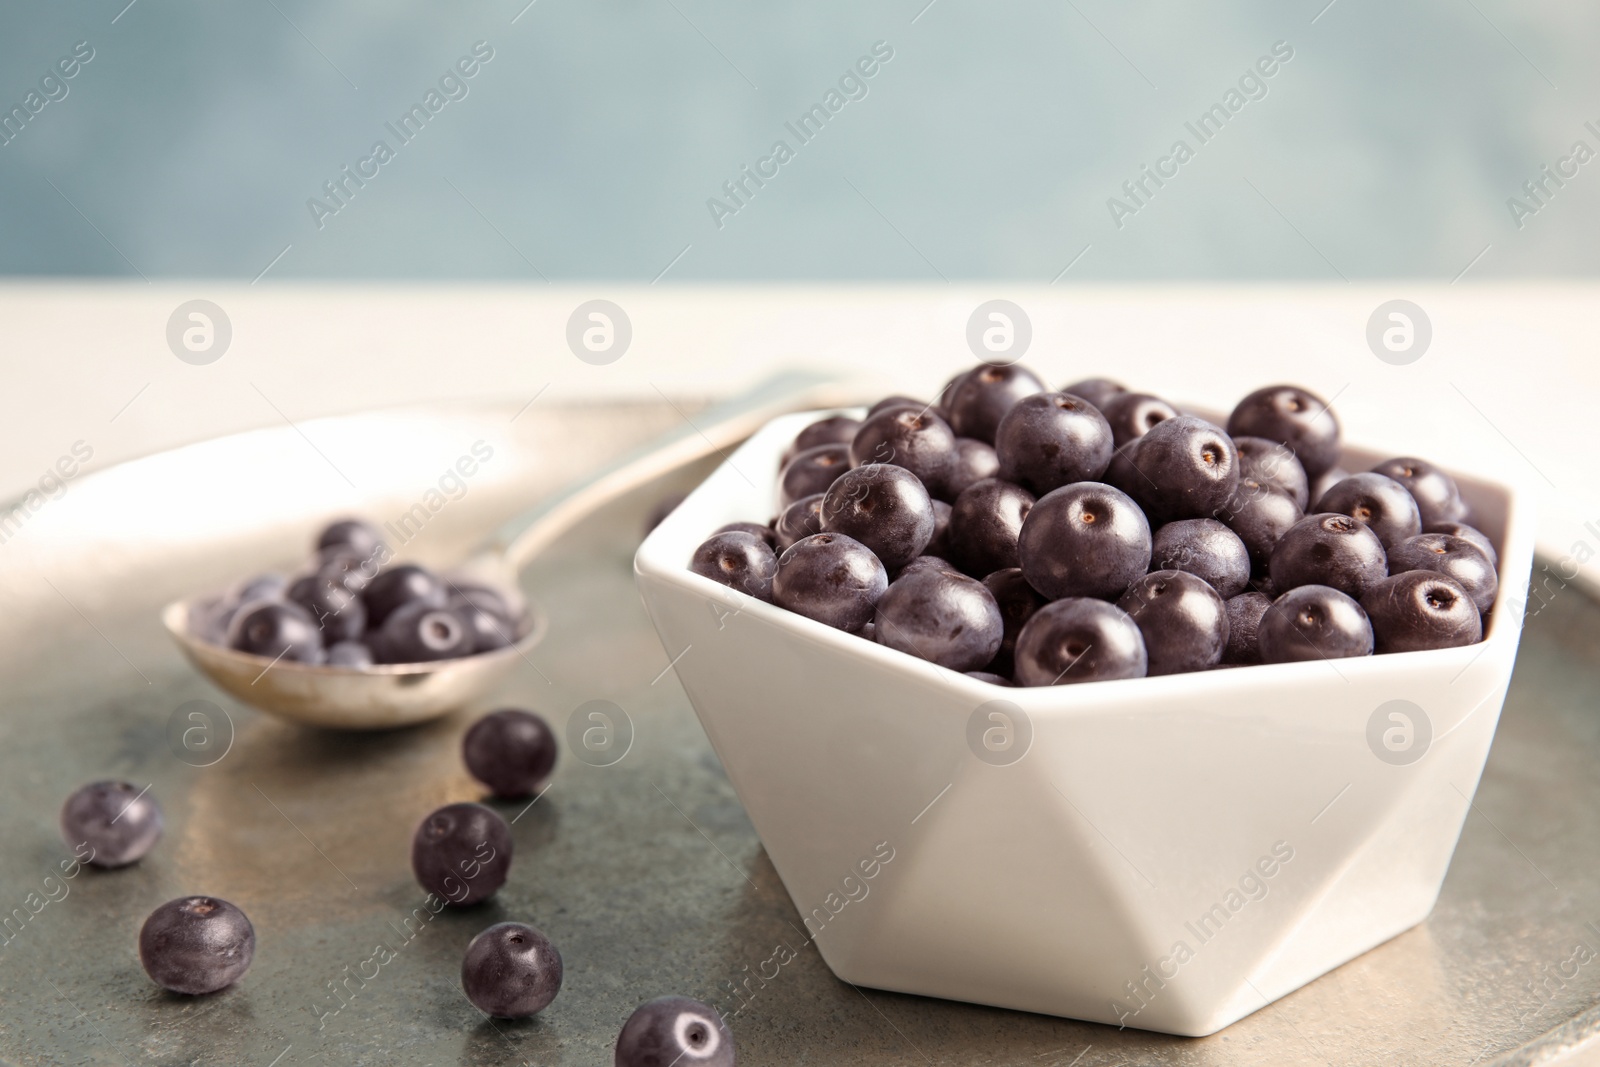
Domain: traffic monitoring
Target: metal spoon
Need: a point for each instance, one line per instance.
(384, 696)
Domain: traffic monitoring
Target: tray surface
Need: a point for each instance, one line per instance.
(646, 874)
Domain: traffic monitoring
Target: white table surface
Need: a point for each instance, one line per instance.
(1509, 387)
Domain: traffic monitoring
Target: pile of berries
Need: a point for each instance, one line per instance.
(350, 608)
(1030, 537)
(460, 854)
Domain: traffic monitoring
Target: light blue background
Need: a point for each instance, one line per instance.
(987, 148)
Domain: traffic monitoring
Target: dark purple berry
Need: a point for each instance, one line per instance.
(196, 945)
(812, 471)
(984, 524)
(1182, 620)
(800, 519)
(487, 630)
(353, 654)
(833, 430)
(921, 563)
(397, 586)
(511, 751)
(1097, 391)
(1436, 494)
(991, 678)
(1017, 601)
(1419, 610)
(1313, 622)
(739, 561)
(1205, 548)
(1479, 539)
(1120, 472)
(766, 533)
(1132, 415)
(917, 440)
(1328, 549)
(1079, 639)
(261, 587)
(1454, 557)
(1048, 440)
(982, 396)
(353, 536)
(353, 572)
(942, 616)
(421, 633)
(118, 821)
(1274, 464)
(338, 612)
(1244, 620)
(1184, 468)
(674, 1032)
(884, 507)
(939, 543)
(975, 461)
(831, 578)
(1291, 416)
(461, 853)
(277, 630)
(1379, 501)
(511, 970)
(1082, 540)
(1260, 514)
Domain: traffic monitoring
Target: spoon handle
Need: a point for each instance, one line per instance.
(714, 430)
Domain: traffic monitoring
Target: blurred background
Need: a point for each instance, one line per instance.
(988, 146)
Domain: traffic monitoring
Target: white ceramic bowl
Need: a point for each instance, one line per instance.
(1166, 853)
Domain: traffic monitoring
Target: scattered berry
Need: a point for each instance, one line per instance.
(119, 822)
(511, 970)
(511, 751)
(674, 1032)
(196, 945)
(462, 853)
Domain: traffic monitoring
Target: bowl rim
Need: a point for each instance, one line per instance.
(175, 617)
(654, 560)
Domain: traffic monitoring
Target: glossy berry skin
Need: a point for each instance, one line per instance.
(1206, 549)
(674, 1032)
(984, 394)
(1291, 416)
(984, 524)
(1380, 502)
(1120, 472)
(1455, 557)
(884, 507)
(1419, 610)
(800, 519)
(915, 439)
(511, 751)
(940, 615)
(1084, 540)
(900, 401)
(1079, 639)
(1182, 620)
(1132, 415)
(974, 462)
(1260, 514)
(939, 543)
(353, 536)
(1185, 468)
(831, 578)
(487, 630)
(833, 430)
(1437, 496)
(739, 561)
(119, 822)
(352, 654)
(461, 853)
(338, 612)
(277, 630)
(422, 633)
(1329, 549)
(1313, 622)
(1477, 537)
(1097, 391)
(261, 587)
(1017, 601)
(1275, 464)
(1244, 621)
(397, 586)
(196, 945)
(812, 471)
(921, 563)
(1048, 440)
(766, 533)
(511, 971)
